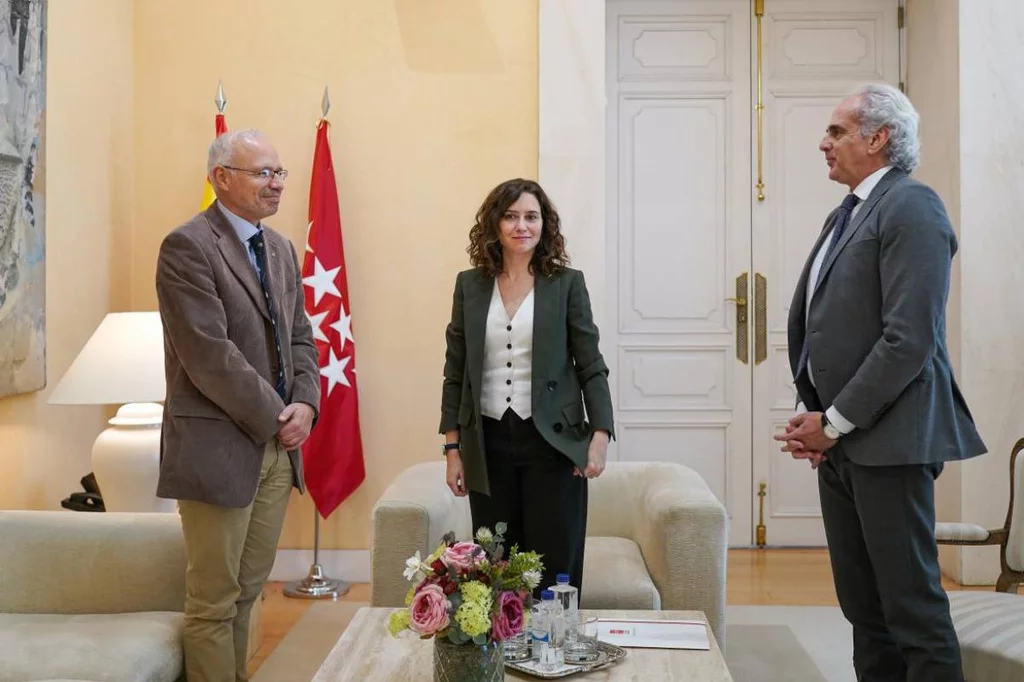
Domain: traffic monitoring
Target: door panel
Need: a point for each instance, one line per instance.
(814, 53)
(679, 235)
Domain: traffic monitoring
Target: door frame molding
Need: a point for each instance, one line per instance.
(571, 130)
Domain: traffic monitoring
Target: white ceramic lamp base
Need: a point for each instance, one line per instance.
(126, 460)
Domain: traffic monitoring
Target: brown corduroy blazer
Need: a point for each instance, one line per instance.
(221, 408)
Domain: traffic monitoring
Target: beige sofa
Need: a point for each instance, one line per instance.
(92, 596)
(656, 537)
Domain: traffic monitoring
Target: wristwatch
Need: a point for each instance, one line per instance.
(449, 446)
(831, 432)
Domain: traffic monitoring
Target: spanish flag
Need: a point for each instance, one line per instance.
(208, 195)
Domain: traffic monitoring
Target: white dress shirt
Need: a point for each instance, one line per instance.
(863, 191)
(508, 359)
(245, 231)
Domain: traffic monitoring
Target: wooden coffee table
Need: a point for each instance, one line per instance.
(366, 652)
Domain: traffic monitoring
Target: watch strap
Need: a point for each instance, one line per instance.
(831, 430)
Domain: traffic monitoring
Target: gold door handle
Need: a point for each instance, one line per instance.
(760, 318)
(742, 342)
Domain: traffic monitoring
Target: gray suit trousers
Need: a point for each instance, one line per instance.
(880, 524)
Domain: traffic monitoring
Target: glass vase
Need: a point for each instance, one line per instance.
(467, 662)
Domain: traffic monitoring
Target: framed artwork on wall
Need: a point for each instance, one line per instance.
(22, 221)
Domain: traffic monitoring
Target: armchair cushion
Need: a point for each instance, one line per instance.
(960, 532)
(141, 647)
(1015, 541)
(990, 627)
(615, 577)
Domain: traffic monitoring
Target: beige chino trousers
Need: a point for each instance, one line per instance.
(230, 555)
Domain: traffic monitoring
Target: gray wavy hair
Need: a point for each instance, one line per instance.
(222, 149)
(878, 106)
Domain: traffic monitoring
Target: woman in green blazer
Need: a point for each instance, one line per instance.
(522, 361)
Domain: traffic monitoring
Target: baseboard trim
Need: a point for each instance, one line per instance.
(350, 565)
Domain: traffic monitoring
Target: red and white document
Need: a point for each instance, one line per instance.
(651, 634)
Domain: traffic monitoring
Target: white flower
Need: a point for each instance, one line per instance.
(414, 568)
(484, 535)
(532, 579)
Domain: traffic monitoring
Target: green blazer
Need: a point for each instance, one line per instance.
(568, 369)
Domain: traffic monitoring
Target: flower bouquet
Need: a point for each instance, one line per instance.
(469, 598)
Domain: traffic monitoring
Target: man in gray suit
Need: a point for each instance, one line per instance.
(880, 411)
(243, 389)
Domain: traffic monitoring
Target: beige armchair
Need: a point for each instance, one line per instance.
(1009, 538)
(990, 625)
(656, 537)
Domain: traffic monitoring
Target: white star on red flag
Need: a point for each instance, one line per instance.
(317, 321)
(343, 325)
(335, 372)
(322, 280)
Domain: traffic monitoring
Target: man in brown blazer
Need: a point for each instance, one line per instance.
(243, 390)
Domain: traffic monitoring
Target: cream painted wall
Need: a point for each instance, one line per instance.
(88, 200)
(964, 68)
(434, 103)
(933, 84)
(991, 179)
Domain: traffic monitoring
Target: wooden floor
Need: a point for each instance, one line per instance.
(794, 577)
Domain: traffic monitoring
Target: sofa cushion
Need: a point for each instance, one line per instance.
(122, 647)
(615, 576)
(990, 627)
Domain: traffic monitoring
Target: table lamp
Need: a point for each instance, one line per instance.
(123, 364)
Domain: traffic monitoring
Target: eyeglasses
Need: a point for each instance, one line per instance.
(263, 173)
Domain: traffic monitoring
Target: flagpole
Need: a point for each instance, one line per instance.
(315, 585)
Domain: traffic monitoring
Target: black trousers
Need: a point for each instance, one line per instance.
(880, 524)
(533, 490)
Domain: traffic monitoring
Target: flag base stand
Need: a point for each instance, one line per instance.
(315, 585)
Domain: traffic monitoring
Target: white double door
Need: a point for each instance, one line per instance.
(701, 270)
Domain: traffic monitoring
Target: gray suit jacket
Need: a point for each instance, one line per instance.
(877, 331)
(221, 408)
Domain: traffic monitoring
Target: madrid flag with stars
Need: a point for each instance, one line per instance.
(333, 453)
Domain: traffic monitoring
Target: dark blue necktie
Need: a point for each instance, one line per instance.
(260, 251)
(838, 228)
(842, 220)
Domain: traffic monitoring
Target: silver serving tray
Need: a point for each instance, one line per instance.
(607, 655)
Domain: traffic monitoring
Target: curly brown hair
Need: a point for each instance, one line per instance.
(485, 246)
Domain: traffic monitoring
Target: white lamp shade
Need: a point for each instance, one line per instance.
(123, 362)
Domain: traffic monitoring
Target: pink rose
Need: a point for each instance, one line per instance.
(508, 618)
(428, 612)
(462, 556)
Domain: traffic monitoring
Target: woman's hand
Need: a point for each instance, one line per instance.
(454, 476)
(597, 455)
